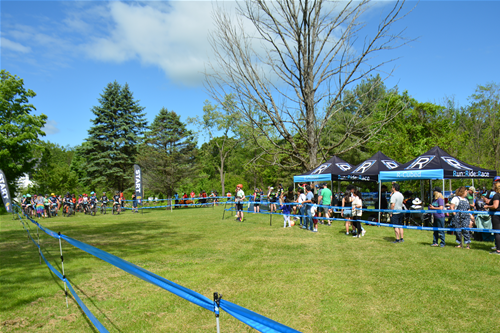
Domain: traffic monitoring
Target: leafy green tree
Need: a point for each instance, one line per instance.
(52, 173)
(220, 125)
(20, 130)
(112, 145)
(168, 154)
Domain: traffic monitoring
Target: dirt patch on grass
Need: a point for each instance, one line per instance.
(14, 323)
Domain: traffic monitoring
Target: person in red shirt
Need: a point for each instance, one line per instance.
(122, 199)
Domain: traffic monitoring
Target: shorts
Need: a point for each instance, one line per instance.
(347, 212)
(320, 210)
(397, 219)
(239, 206)
(256, 204)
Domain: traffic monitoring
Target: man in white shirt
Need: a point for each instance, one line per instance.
(397, 217)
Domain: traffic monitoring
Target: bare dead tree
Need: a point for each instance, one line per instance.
(293, 60)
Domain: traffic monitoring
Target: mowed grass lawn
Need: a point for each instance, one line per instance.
(312, 282)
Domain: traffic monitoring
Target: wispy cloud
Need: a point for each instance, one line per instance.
(16, 47)
(50, 127)
(172, 37)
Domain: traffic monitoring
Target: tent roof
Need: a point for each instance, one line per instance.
(326, 171)
(370, 169)
(436, 164)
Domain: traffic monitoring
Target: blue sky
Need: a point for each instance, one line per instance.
(68, 51)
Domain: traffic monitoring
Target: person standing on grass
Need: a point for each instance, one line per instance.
(494, 207)
(307, 203)
(438, 204)
(240, 197)
(347, 211)
(300, 200)
(397, 199)
(134, 203)
(462, 219)
(256, 201)
(357, 205)
(325, 199)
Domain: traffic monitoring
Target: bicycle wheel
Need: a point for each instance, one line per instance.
(114, 210)
(94, 210)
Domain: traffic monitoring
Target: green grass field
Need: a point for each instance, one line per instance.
(312, 282)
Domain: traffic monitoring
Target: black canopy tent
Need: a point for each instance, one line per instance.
(369, 171)
(327, 171)
(436, 164)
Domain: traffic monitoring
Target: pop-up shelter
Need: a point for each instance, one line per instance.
(370, 169)
(327, 171)
(436, 164)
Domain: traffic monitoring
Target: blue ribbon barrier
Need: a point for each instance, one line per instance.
(82, 305)
(248, 317)
(255, 320)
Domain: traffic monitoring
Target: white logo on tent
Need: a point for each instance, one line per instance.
(390, 164)
(321, 168)
(421, 162)
(454, 163)
(364, 167)
(343, 166)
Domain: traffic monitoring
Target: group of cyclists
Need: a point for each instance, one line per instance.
(48, 206)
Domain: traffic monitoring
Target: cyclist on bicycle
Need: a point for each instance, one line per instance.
(24, 201)
(67, 202)
(54, 202)
(79, 202)
(117, 201)
(92, 200)
(85, 202)
(104, 200)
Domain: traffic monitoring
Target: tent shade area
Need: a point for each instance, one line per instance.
(435, 164)
(325, 172)
(369, 170)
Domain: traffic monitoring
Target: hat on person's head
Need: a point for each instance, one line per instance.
(472, 188)
(316, 185)
(416, 201)
(437, 189)
(496, 179)
(240, 186)
(271, 188)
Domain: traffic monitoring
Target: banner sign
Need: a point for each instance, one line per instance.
(138, 183)
(4, 191)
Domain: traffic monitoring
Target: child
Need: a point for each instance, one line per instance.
(286, 210)
(314, 213)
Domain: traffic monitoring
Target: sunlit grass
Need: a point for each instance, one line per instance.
(313, 282)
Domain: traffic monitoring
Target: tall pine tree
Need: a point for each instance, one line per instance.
(168, 154)
(112, 145)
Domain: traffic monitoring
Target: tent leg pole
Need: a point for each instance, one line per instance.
(379, 199)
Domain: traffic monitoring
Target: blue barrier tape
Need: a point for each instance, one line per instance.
(255, 320)
(82, 305)
(143, 274)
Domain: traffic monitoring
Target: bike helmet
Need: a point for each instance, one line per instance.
(80, 195)
(67, 193)
(24, 195)
(117, 192)
(103, 193)
(52, 194)
(28, 195)
(92, 193)
(84, 194)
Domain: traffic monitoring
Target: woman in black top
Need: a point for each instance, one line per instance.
(494, 207)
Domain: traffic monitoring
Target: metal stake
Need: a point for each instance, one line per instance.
(62, 265)
(38, 236)
(217, 299)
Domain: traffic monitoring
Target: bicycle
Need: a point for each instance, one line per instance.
(93, 209)
(68, 210)
(103, 207)
(115, 208)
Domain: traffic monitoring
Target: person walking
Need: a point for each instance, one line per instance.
(397, 217)
(438, 204)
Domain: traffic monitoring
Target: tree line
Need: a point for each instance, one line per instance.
(225, 150)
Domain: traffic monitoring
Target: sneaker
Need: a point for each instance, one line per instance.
(494, 248)
(355, 236)
(304, 227)
(363, 232)
(238, 219)
(347, 233)
(495, 252)
(314, 230)
(441, 245)
(396, 241)
(435, 244)
(401, 240)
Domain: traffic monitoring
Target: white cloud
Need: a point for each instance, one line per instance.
(10, 45)
(172, 37)
(50, 127)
